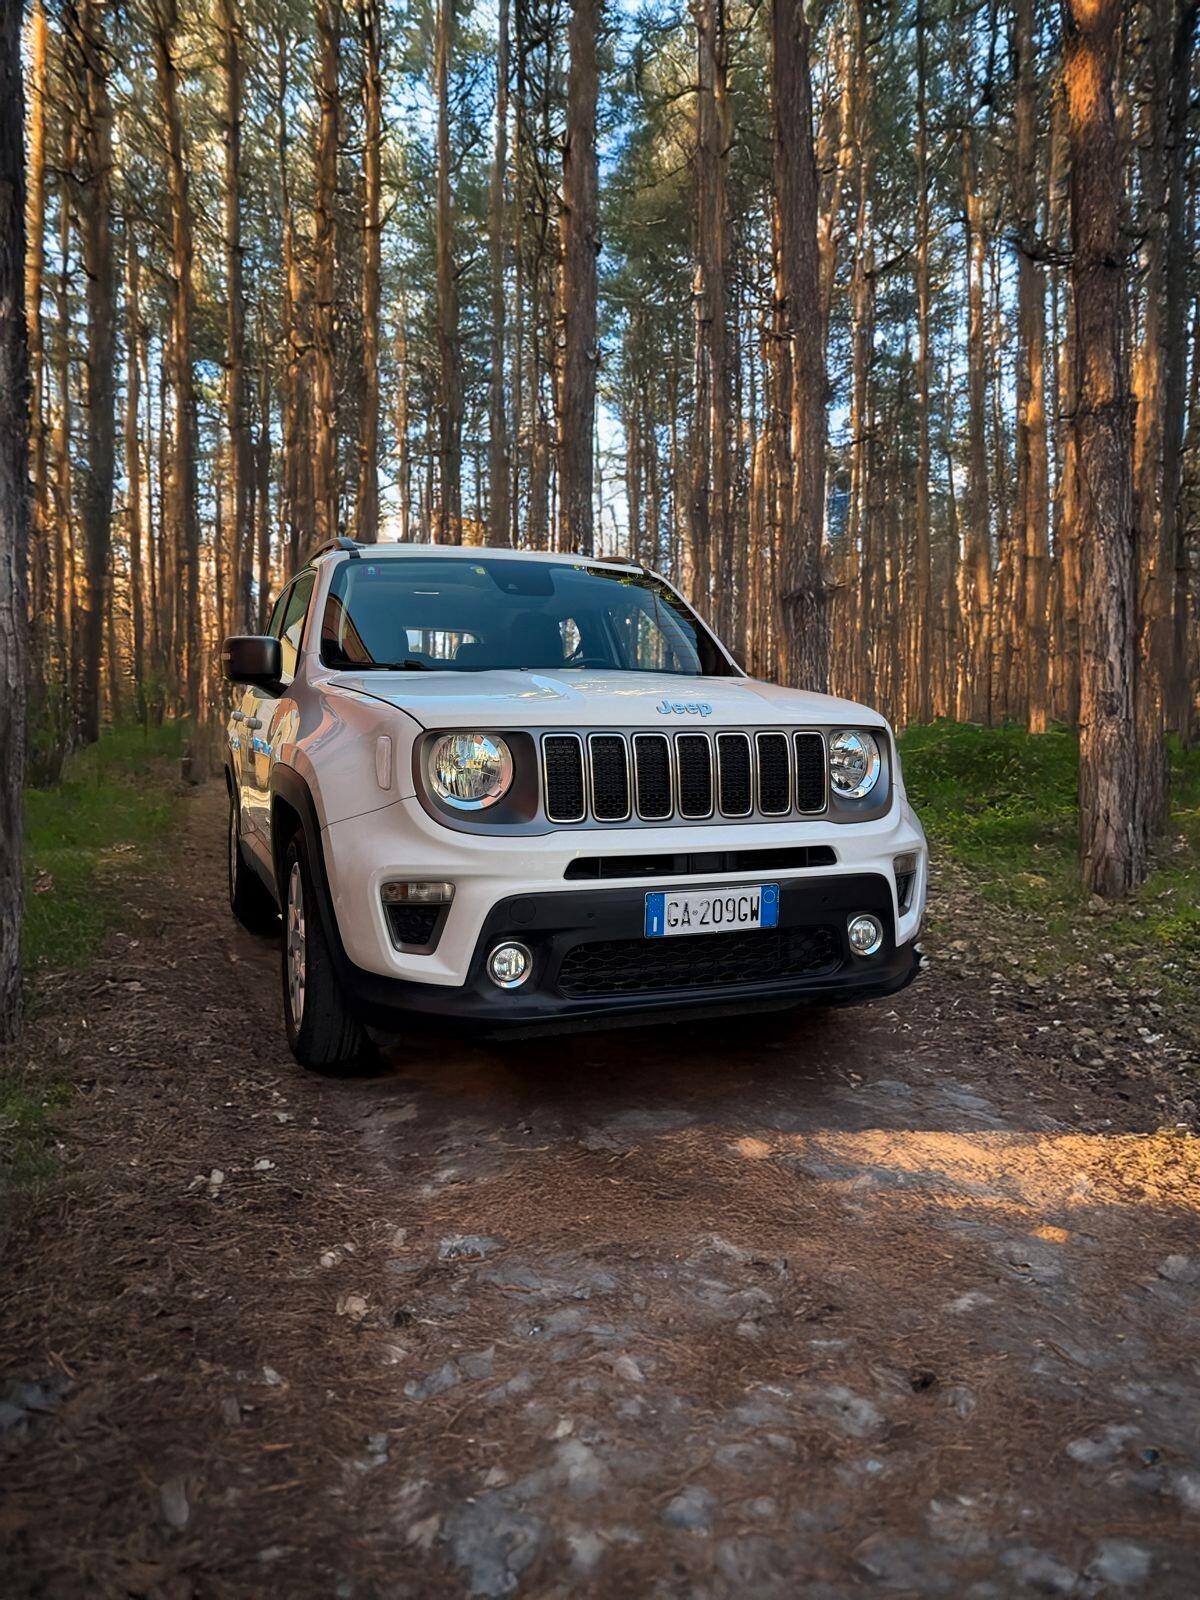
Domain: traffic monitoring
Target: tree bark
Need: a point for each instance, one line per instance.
(920, 661)
(975, 571)
(368, 447)
(90, 51)
(1111, 841)
(35, 271)
(14, 512)
(324, 370)
(499, 465)
(448, 527)
(135, 339)
(803, 621)
(1033, 470)
(181, 523)
(240, 485)
(579, 226)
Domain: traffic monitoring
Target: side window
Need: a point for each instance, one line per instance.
(292, 626)
(275, 626)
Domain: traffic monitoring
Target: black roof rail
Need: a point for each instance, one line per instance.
(351, 546)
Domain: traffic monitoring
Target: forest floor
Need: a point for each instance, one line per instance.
(901, 1298)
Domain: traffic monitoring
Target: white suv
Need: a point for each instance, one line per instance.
(520, 788)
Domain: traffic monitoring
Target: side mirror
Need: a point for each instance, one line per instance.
(252, 658)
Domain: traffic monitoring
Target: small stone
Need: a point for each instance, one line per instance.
(447, 1376)
(1180, 1269)
(263, 1165)
(271, 1377)
(1040, 1571)
(467, 1247)
(1118, 1562)
(692, 1509)
(626, 1367)
(422, 1534)
(173, 1502)
(353, 1306)
(231, 1411)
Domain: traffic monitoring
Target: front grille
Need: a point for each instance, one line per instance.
(700, 961)
(774, 778)
(701, 863)
(610, 777)
(652, 774)
(562, 755)
(734, 774)
(810, 772)
(693, 754)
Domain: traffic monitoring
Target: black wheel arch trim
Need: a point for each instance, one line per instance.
(287, 785)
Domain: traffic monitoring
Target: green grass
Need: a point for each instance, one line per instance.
(85, 838)
(114, 806)
(999, 806)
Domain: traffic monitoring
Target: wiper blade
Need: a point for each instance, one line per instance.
(391, 666)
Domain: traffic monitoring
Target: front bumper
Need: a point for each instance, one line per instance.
(591, 960)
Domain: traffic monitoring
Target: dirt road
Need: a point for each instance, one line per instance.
(897, 1299)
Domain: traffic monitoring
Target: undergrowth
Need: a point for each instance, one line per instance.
(999, 806)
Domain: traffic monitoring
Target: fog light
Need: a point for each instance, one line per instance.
(866, 935)
(509, 965)
(417, 894)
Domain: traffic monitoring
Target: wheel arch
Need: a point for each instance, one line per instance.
(294, 809)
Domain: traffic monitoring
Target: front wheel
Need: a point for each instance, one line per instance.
(323, 1033)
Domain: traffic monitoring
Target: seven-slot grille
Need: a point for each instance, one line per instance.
(654, 777)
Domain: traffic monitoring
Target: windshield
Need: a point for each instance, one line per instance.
(449, 614)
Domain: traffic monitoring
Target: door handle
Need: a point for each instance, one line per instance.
(238, 716)
(253, 722)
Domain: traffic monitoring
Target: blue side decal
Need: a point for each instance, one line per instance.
(770, 905)
(656, 915)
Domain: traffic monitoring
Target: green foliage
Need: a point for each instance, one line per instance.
(83, 835)
(86, 836)
(999, 806)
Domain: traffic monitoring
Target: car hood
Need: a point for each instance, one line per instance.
(585, 699)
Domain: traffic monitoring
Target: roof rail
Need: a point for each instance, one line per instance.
(340, 543)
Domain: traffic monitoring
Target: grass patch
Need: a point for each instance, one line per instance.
(114, 806)
(84, 838)
(1000, 804)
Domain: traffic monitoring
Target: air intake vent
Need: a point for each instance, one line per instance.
(694, 755)
(733, 767)
(652, 772)
(562, 755)
(610, 777)
(774, 788)
(810, 772)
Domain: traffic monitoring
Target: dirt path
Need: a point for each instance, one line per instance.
(892, 1299)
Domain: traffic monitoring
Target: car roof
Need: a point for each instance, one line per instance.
(474, 552)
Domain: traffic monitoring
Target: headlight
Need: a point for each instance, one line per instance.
(854, 764)
(471, 770)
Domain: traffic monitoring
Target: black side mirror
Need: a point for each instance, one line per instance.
(252, 658)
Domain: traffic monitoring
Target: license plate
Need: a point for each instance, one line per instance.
(677, 911)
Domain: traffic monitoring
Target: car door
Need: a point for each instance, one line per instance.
(261, 709)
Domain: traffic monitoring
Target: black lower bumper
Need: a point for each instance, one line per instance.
(592, 961)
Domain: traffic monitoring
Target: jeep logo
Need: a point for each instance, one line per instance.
(679, 708)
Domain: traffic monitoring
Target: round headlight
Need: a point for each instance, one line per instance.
(470, 770)
(854, 763)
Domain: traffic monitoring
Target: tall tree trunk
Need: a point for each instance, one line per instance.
(14, 512)
(296, 514)
(240, 487)
(1033, 471)
(921, 662)
(1175, 408)
(63, 441)
(324, 355)
(975, 594)
(578, 290)
(450, 397)
(710, 496)
(35, 271)
(262, 498)
(368, 448)
(1111, 840)
(135, 339)
(499, 467)
(803, 623)
(181, 518)
(90, 49)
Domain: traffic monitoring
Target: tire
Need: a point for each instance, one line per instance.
(323, 1033)
(249, 898)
